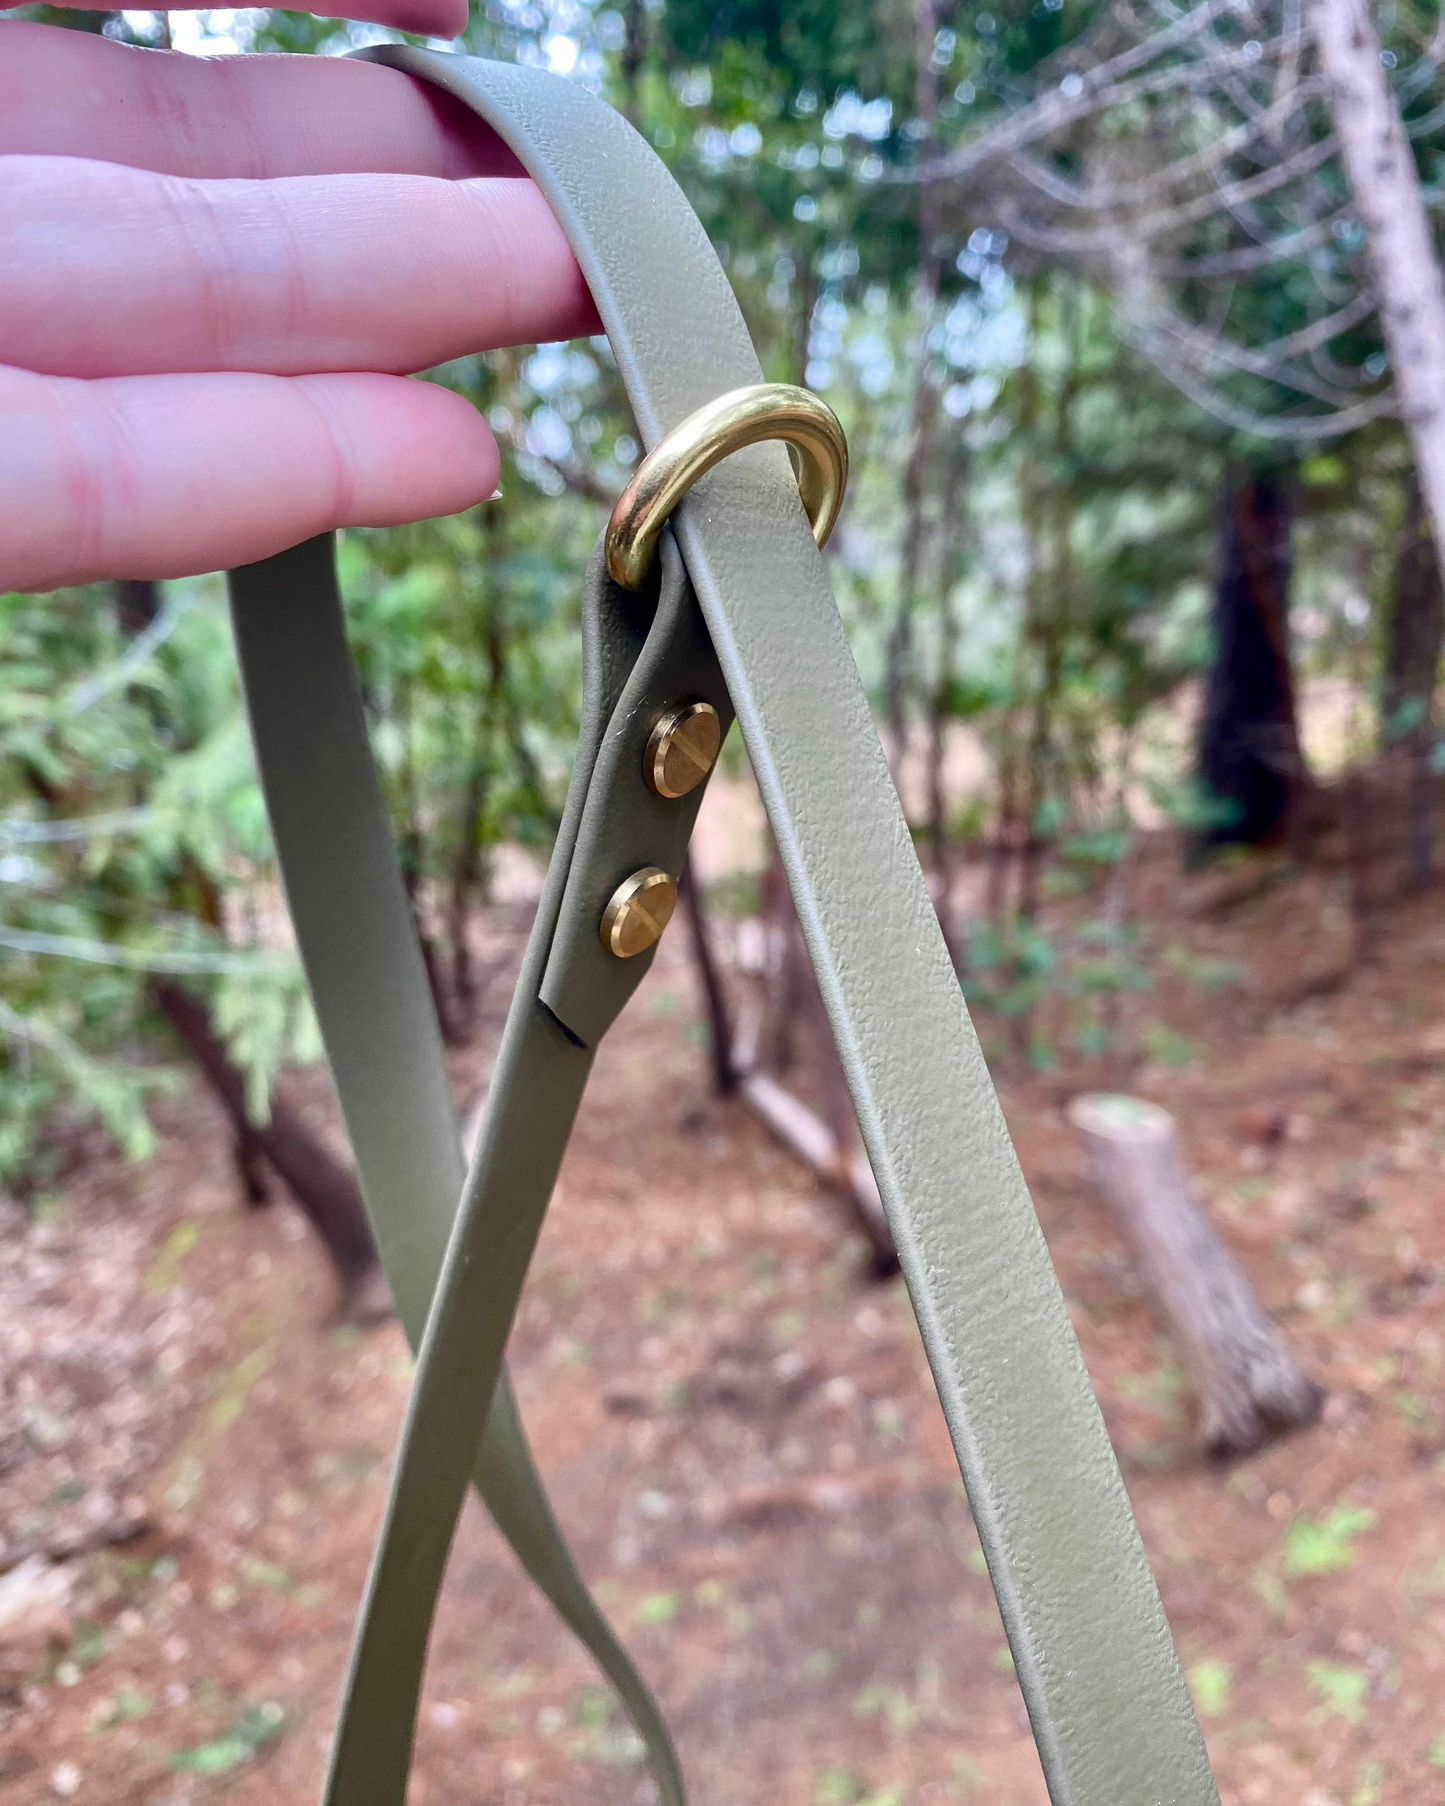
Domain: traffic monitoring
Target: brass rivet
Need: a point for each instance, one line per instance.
(682, 749)
(640, 909)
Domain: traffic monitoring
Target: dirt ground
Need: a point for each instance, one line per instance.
(740, 1435)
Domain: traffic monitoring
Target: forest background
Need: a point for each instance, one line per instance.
(1099, 322)
(1141, 579)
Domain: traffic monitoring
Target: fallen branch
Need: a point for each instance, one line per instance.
(114, 1531)
(808, 1138)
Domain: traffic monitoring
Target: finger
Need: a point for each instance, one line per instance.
(440, 18)
(165, 476)
(74, 94)
(115, 271)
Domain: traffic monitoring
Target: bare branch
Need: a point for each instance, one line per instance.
(1248, 183)
(1213, 356)
(577, 477)
(1017, 133)
(1299, 428)
(1421, 73)
(1254, 257)
(1153, 225)
(1054, 111)
(1427, 123)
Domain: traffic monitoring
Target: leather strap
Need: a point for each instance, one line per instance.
(364, 969)
(569, 992)
(1108, 1705)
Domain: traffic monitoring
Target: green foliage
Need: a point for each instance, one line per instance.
(115, 1096)
(1013, 967)
(1009, 966)
(123, 1708)
(657, 1609)
(257, 1726)
(881, 1699)
(1185, 802)
(1197, 969)
(1053, 567)
(129, 821)
(1343, 1690)
(1163, 1388)
(1098, 847)
(1165, 1046)
(842, 1787)
(1326, 1545)
(1210, 1682)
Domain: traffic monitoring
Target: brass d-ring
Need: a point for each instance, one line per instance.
(726, 424)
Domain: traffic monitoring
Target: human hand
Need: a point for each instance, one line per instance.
(218, 273)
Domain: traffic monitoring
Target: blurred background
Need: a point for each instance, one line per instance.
(1143, 584)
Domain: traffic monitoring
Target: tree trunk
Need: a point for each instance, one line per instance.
(1417, 623)
(249, 1158)
(409, 844)
(326, 1190)
(1001, 852)
(925, 403)
(938, 718)
(137, 603)
(1386, 186)
(1361, 792)
(1249, 752)
(634, 50)
(724, 1075)
(1250, 1389)
(464, 889)
(953, 528)
(1039, 664)
(412, 851)
(785, 973)
(1412, 663)
(470, 865)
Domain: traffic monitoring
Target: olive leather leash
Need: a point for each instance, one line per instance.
(739, 614)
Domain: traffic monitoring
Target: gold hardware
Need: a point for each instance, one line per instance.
(682, 749)
(640, 909)
(726, 424)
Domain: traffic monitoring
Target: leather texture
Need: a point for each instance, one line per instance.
(625, 825)
(1109, 1708)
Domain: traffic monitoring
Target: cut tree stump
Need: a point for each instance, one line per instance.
(1249, 1386)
